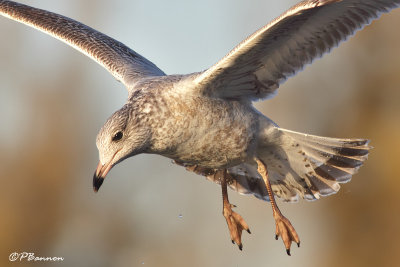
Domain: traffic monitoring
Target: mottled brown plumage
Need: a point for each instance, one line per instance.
(206, 121)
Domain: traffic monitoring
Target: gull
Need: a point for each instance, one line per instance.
(206, 122)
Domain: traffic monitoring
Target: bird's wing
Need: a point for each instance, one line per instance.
(257, 66)
(123, 63)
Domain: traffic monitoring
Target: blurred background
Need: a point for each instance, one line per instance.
(53, 101)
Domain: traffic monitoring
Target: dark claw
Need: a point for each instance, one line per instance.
(276, 237)
(288, 251)
(233, 242)
(248, 230)
(240, 246)
(298, 244)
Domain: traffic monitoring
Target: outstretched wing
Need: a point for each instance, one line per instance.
(257, 66)
(123, 63)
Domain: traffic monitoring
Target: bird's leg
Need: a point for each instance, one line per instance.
(284, 228)
(235, 222)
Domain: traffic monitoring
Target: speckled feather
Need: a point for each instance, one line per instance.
(122, 62)
(205, 121)
(256, 67)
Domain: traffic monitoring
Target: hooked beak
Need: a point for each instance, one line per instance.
(100, 174)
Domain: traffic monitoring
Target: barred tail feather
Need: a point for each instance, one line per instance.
(319, 164)
(301, 165)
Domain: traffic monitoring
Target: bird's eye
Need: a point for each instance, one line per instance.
(117, 136)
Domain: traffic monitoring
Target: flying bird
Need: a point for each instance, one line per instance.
(206, 122)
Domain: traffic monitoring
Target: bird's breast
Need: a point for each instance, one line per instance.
(212, 133)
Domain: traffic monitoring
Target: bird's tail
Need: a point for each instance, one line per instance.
(302, 165)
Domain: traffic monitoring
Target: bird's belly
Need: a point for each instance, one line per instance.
(215, 150)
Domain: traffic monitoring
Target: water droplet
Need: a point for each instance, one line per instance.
(180, 216)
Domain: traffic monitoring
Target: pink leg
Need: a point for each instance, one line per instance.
(284, 228)
(235, 222)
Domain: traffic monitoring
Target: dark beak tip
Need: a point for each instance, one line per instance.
(97, 182)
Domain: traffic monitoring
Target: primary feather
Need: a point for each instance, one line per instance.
(122, 62)
(257, 66)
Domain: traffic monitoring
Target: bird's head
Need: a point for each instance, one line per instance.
(124, 135)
